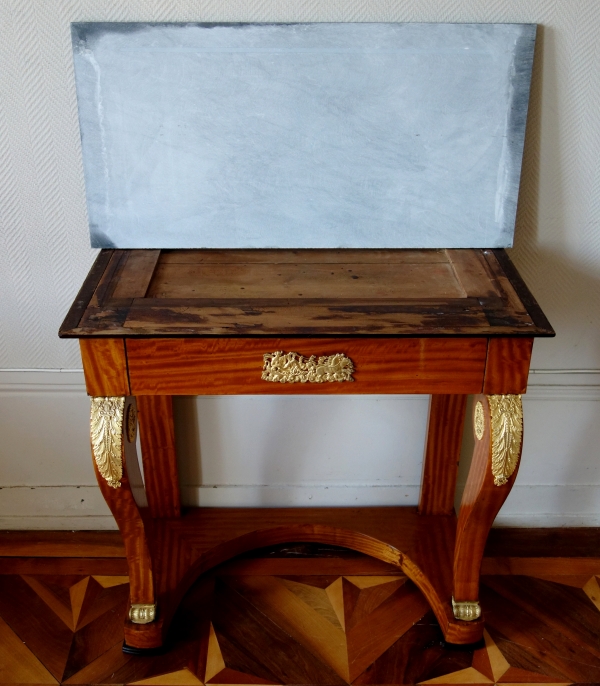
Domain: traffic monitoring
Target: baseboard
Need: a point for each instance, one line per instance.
(82, 508)
(300, 495)
(78, 508)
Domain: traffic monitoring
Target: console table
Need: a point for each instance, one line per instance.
(158, 323)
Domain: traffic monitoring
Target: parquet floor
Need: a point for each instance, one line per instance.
(300, 615)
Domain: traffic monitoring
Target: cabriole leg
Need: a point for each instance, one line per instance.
(113, 425)
(498, 428)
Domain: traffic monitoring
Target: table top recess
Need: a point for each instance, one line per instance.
(242, 293)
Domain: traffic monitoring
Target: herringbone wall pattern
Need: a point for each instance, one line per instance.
(44, 251)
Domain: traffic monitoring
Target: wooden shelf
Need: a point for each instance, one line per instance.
(185, 547)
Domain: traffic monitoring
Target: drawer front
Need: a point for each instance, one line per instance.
(226, 366)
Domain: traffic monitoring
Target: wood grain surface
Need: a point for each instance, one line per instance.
(157, 439)
(87, 290)
(234, 366)
(304, 293)
(136, 274)
(304, 256)
(507, 366)
(420, 546)
(69, 544)
(231, 317)
(294, 281)
(105, 366)
(442, 453)
(563, 543)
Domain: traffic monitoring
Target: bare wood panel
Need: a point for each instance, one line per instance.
(442, 453)
(231, 366)
(105, 366)
(157, 437)
(295, 281)
(277, 318)
(137, 274)
(503, 282)
(472, 274)
(480, 504)
(305, 256)
(110, 277)
(86, 291)
(511, 298)
(525, 296)
(107, 321)
(507, 366)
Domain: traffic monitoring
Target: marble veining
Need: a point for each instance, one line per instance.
(302, 135)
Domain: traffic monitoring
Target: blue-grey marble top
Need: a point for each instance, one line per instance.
(302, 135)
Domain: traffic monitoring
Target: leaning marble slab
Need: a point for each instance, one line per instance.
(302, 135)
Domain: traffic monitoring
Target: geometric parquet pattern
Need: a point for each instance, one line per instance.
(236, 627)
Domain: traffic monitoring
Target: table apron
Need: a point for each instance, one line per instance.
(234, 365)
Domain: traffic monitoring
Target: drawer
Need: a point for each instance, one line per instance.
(226, 366)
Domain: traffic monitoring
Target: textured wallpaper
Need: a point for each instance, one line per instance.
(44, 244)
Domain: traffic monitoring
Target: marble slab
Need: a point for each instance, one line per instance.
(302, 135)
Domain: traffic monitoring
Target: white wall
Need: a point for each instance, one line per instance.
(302, 450)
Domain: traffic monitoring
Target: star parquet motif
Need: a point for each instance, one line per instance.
(238, 628)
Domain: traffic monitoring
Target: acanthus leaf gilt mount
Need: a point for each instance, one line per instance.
(106, 433)
(506, 426)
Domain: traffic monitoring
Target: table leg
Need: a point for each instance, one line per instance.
(498, 428)
(157, 438)
(442, 453)
(113, 432)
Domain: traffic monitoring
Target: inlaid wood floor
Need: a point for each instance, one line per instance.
(300, 615)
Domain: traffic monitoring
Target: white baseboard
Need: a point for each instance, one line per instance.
(33, 523)
(47, 482)
(300, 495)
(82, 508)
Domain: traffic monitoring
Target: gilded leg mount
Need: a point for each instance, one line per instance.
(506, 423)
(467, 611)
(142, 614)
